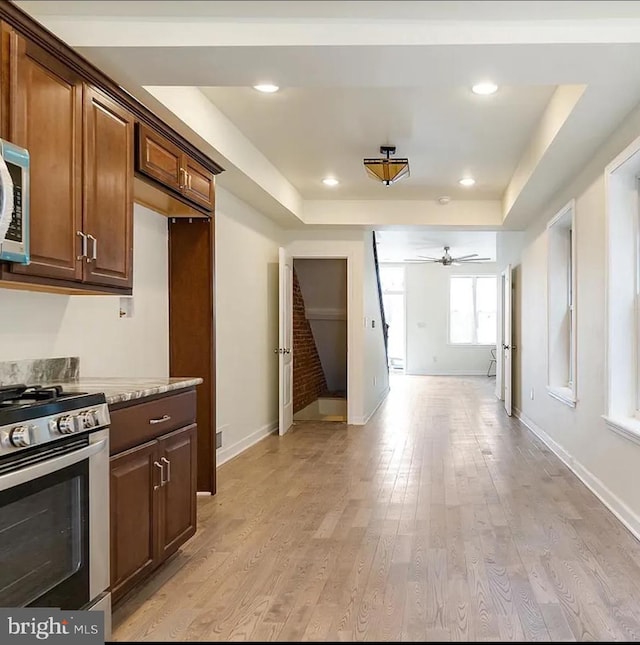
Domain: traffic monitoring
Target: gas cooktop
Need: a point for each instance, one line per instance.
(13, 396)
(45, 414)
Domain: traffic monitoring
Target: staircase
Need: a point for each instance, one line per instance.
(385, 331)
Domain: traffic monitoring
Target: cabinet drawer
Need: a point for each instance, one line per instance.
(137, 423)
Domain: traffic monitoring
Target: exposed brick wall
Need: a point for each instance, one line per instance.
(308, 377)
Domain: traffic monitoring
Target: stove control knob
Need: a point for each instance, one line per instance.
(66, 425)
(89, 419)
(20, 436)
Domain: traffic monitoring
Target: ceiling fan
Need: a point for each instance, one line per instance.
(446, 260)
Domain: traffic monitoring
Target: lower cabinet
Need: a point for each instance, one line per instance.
(153, 505)
(134, 517)
(177, 521)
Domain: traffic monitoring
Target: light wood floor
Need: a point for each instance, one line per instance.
(441, 519)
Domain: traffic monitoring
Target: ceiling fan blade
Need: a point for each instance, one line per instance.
(414, 261)
(428, 257)
(475, 260)
(464, 257)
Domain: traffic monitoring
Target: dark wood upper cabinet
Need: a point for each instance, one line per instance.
(45, 116)
(161, 160)
(199, 186)
(158, 158)
(8, 58)
(178, 451)
(134, 516)
(108, 191)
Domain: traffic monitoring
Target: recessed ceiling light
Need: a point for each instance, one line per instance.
(484, 88)
(330, 181)
(467, 181)
(267, 88)
(444, 200)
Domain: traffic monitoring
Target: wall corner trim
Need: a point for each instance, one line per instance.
(226, 454)
(626, 515)
(362, 421)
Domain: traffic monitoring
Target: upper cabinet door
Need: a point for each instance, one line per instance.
(8, 59)
(159, 159)
(45, 116)
(108, 191)
(199, 184)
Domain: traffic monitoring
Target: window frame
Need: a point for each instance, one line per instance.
(475, 342)
(622, 257)
(564, 219)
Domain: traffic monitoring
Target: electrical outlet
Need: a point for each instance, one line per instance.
(219, 432)
(375, 381)
(532, 394)
(373, 324)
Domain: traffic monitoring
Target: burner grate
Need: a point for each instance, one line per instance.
(25, 395)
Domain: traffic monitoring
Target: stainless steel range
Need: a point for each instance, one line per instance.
(54, 499)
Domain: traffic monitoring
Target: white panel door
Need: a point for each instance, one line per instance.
(285, 343)
(507, 346)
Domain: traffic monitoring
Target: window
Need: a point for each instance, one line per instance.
(561, 314)
(392, 279)
(472, 310)
(623, 315)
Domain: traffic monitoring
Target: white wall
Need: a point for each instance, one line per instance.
(323, 284)
(42, 325)
(246, 324)
(427, 298)
(606, 461)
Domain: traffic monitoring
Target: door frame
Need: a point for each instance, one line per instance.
(285, 341)
(506, 275)
(313, 255)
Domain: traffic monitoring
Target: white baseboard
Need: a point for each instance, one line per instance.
(226, 453)
(447, 373)
(361, 421)
(627, 516)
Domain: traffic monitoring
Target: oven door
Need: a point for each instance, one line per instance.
(47, 509)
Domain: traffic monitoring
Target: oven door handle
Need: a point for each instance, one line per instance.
(10, 480)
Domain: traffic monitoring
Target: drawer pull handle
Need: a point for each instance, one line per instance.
(162, 481)
(162, 419)
(164, 460)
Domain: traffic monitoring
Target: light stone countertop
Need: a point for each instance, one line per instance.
(118, 390)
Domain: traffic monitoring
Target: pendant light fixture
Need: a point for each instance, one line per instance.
(387, 170)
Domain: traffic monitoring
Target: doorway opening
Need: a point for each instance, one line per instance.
(319, 306)
(392, 283)
(506, 346)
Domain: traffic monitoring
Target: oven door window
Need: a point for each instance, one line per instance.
(44, 547)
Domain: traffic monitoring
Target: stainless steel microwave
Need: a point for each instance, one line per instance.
(14, 203)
